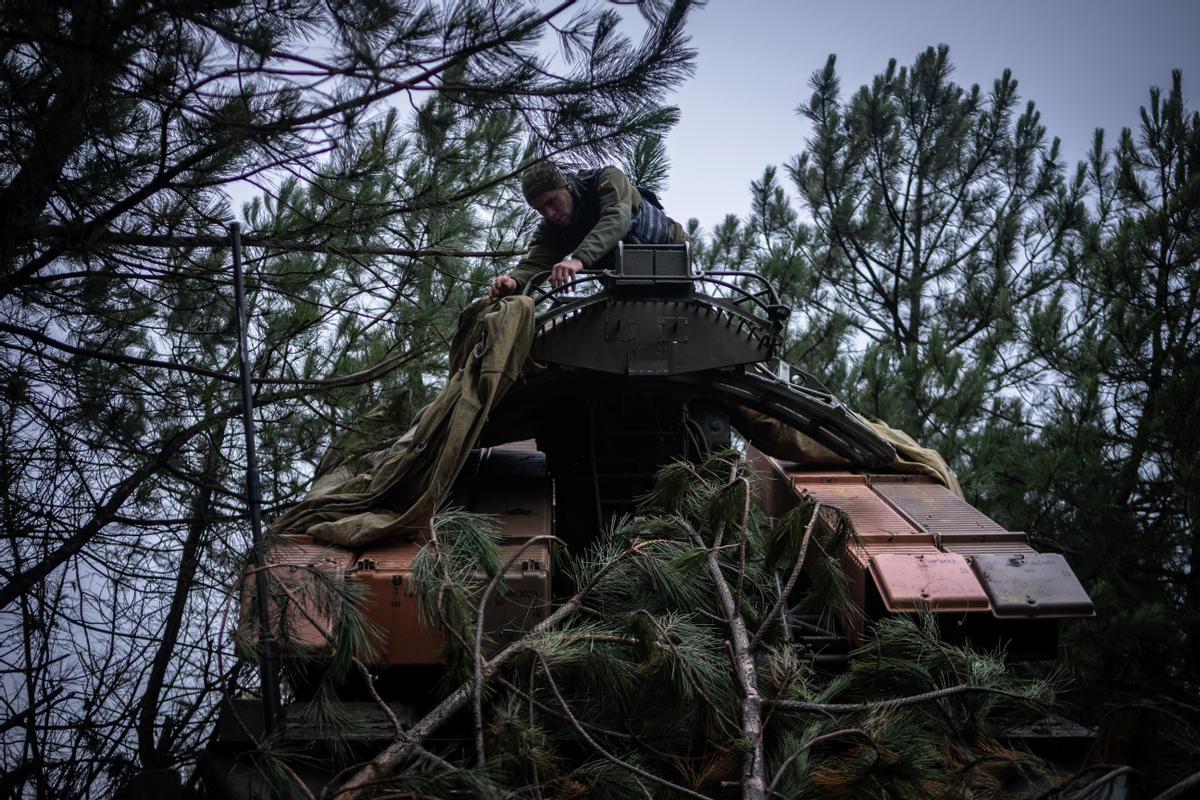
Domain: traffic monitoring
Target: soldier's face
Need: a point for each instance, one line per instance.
(556, 206)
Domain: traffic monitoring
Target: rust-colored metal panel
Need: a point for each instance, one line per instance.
(390, 600)
(920, 547)
(297, 619)
(874, 520)
(777, 495)
(1032, 585)
(934, 508)
(942, 582)
(856, 565)
(879, 527)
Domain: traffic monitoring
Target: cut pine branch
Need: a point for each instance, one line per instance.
(395, 755)
(753, 780)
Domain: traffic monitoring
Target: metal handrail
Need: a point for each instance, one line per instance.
(764, 320)
(746, 295)
(532, 286)
(767, 287)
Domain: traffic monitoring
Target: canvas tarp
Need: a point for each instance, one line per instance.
(374, 484)
(780, 441)
(395, 490)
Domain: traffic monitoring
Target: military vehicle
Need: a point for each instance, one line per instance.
(641, 364)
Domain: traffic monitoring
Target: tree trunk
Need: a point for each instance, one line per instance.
(154, 754)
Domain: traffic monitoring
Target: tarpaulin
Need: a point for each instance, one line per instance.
(397, 489)
(394, 489)
(781, 441)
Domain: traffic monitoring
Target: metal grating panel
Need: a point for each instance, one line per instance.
(934, 508)
(1034, 585)
(827, 476)
(874, 520)
(942, 582)
(1001, 545)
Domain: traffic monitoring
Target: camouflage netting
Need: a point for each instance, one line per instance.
(393, 486)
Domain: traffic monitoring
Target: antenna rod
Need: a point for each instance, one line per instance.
(266, 641)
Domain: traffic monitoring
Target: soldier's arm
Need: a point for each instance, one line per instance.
(542, 255)
(617, 200)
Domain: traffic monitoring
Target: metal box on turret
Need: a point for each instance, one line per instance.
(408, 635)
(298, 609)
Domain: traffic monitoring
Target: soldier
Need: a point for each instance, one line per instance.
(584, 215)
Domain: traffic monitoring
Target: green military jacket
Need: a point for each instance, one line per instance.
(605, 201)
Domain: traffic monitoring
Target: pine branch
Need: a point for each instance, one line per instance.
(697, 685)
(753, 780)
(282, 244)
(650, 776)
(540, 706)
(777, 608)
(25, 580)
(896, 702)
(477, 704)
(391, 758)
(368, 375)
(319, 624)
(813, 742)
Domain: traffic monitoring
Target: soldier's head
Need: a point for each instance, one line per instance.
(545, 188)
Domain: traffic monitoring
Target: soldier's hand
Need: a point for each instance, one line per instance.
(565, 271)
(503, 286)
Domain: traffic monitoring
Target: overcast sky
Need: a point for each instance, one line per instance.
(1086, 63)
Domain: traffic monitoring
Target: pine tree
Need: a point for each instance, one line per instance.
(379, 139)
(1126, 343)
(1059, 355)
(932, 216)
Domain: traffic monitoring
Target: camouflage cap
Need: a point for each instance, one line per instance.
(540, 178)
